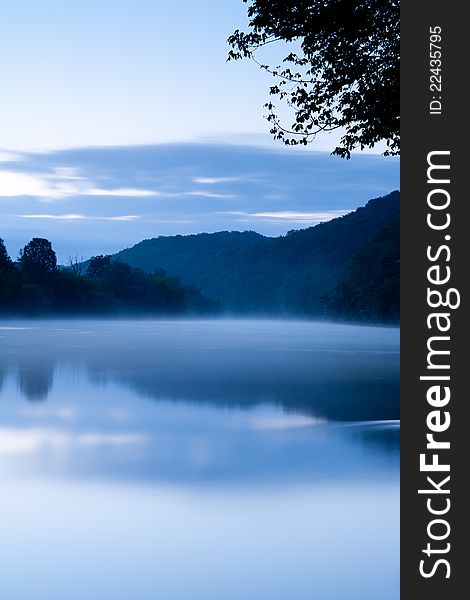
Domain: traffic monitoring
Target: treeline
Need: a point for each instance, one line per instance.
(35, 285)
(347, 268)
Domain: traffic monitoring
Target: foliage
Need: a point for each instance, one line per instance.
(340, 72)
(37, 259)
(296, 274)
(347, 268)
(8, 278)
(5, 261)
(370, 286)
(35, 286)
(98, 265)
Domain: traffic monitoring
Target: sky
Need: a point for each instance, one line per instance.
(122, 120)
(102, 72)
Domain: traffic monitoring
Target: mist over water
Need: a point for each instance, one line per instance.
(199, 459)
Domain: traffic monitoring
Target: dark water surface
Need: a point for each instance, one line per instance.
(198, 460)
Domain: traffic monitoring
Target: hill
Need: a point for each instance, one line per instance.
(347, 267)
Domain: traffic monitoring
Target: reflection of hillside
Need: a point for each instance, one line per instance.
(348, 396)
(344, 388)
(338, 385)
(383, 437)
(326, 371)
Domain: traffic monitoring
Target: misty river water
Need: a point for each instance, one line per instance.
(198, 460)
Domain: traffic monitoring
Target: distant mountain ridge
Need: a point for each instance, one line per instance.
(347, 267)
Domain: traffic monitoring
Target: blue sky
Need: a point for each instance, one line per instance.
(122, 120)
(108, 72)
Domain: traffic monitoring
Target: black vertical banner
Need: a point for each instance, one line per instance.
(435, 239)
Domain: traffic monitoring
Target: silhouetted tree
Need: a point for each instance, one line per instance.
(98, 266)
(9, 280)
(35, 286)
(38, 258)
(5, 260)
(342, 70)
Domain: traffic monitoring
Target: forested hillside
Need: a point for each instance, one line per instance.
(347, 267)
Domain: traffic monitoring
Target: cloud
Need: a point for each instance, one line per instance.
(211, 195)
(122, 192)
(293, 216)
(176, 189)
(248, 177)
(15, 183)
(303, 216)
(214, 180)
(78, 217)
(62, 182)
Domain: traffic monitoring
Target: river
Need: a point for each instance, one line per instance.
(198, 460)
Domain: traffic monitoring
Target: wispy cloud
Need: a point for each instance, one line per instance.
(78, 217)
(126, 192)
(97, 200)
(247, 177)
(301, 216)
(62, 182)
(214, 180)
(294, 216)
(210, 195)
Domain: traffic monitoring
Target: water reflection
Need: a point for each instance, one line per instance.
(327, 371)
(259, 459)
(35, 378)
(230, 401)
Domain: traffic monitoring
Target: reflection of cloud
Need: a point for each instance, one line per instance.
(30, 441)
(62, 182)
(66, 413)
(10, 156)
(78, 217)
(199, 454)
(119, 414)
(106, 439)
